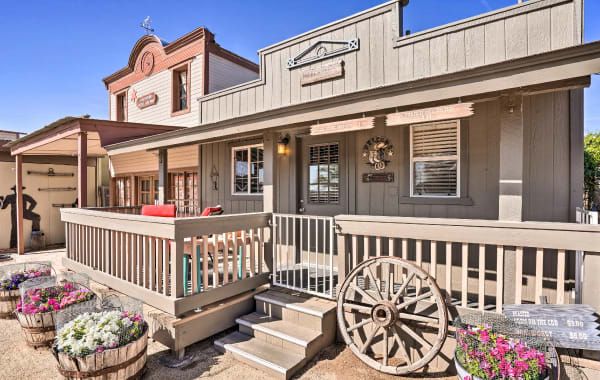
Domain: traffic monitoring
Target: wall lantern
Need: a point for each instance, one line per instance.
(282, 144)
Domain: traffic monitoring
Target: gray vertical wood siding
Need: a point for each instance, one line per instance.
(384, 58)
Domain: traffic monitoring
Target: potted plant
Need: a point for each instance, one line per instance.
(111, 344)
(482, 353)
(9, 288)
(37, 310)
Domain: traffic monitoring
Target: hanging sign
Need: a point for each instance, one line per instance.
(146, 100)
(321, 73)
(567, 326)
(343, 126)
(451, 111)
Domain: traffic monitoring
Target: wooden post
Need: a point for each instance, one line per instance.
(112, 192)
(133, 191)
(270, 173)
(163, 176)
(19, 205)
(342, 257)
(177, 268)
(82, 169)
(510, 199)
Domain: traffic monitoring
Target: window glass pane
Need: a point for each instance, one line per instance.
(323, 174)
(248, 176)
(438, 178)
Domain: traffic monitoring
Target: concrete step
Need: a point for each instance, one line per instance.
(282, 334)
(302, 310)
(261, 355)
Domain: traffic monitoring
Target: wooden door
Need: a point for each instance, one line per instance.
(323, 181)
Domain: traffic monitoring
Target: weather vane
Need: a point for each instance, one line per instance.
(146, 25)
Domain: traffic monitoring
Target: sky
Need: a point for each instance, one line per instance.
(55, 53)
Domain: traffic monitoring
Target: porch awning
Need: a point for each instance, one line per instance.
(567, 67)
(61, 137)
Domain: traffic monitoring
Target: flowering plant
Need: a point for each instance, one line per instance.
(95, 332)
(488, 355)
(14, 279)
(52, 298)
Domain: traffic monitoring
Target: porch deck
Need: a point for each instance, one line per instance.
(185, 264)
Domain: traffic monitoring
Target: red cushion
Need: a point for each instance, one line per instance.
(159, 210)
(210, 210)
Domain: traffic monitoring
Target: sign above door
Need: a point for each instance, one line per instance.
(450, 111)
(343, 126)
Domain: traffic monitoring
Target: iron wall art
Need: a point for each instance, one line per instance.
(377, 152)
(320, 51)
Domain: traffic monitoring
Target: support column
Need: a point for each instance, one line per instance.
(82, 169)
(270, 173)
(112, 193)
(270, 189)
(163, 176)
(510, 197)
(19, 205)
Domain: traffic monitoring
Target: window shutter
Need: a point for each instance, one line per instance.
(435, 159)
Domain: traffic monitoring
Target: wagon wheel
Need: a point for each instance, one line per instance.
(376, 315)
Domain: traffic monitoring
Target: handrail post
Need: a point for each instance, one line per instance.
(177, 268)
(342, 253)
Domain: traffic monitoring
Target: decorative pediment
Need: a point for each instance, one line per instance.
(321, 50)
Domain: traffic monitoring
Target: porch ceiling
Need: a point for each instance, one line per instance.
(521, 75)
(61, 137)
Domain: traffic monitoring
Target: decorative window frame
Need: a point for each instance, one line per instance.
(174, 88)
(123, 93)
(233, 150)
(412, 160)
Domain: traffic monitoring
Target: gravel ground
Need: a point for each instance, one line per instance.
(19, 361)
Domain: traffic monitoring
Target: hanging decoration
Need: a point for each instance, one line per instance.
(377, 152)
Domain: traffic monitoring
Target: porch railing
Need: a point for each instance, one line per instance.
(304, 254)
(173, 264)
(480, 264)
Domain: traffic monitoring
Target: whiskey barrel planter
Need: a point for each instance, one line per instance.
(123, 363)
(39, 329)
(8, 303)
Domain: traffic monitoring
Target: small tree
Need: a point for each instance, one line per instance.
(591, 168)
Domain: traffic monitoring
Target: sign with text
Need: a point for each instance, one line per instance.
(424, 115)
(322, 72)
(567, 326)
(343, 126)
(378, 177)
(146, 100)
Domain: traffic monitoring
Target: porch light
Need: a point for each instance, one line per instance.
(282, 145)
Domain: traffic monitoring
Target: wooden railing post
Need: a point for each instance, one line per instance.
(177, 285)
(343, 259)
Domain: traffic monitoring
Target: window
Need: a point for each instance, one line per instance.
(123, 191)
(248, 175)
(435, 166)
(324, 173)
(183, 188)
(148, 193)
(180, 92)
(122, 106)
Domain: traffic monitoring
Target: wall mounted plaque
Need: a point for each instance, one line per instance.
(343, 126)
(321, 73)
(378, 177)
(146, 100)
(451, 111)
(378, 152)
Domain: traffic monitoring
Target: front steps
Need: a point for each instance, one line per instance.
(286, 331)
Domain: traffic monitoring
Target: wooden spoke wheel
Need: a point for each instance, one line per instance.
(392, 315)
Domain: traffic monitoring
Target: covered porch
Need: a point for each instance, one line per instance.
(79, 137)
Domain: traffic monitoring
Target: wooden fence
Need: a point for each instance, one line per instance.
(173, 264)
(479, 263)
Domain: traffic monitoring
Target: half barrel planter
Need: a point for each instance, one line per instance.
(40, 328)
(122, 363)
(9, 299)
(464, 374)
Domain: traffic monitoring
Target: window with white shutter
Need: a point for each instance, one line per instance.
(435, 156)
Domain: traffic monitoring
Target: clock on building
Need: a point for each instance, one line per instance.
(147, 63)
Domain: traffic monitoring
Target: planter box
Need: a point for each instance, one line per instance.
(462, 372)
(39, 328)
(9, 299)
(126, 362)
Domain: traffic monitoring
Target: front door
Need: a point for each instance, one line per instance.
(324, 180)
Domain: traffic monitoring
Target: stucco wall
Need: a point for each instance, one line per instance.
(50, 222)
